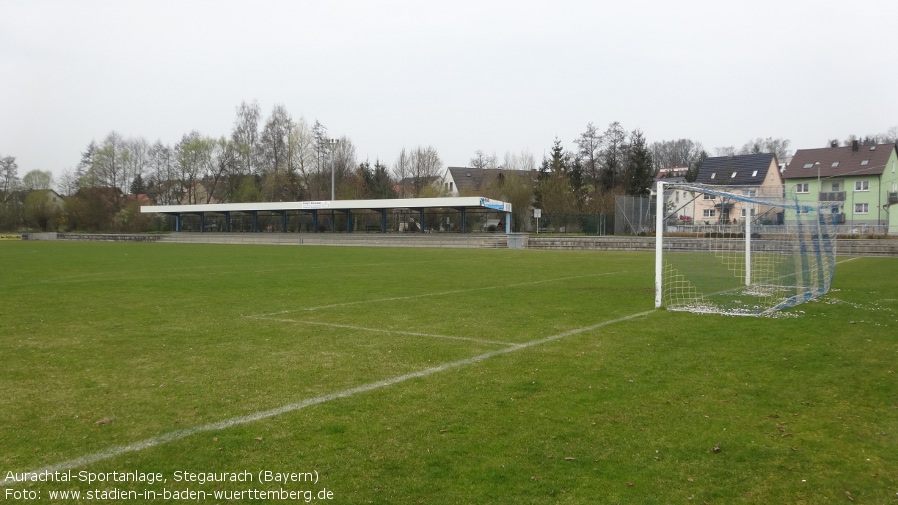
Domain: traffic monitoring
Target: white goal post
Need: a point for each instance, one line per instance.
(740, 250)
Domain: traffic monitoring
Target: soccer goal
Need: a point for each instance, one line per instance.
(737, 251)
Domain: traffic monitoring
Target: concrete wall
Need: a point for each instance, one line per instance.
(847, 247)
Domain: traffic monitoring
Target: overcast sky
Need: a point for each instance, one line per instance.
(499, 76)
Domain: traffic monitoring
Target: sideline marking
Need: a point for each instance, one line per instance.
(265, 414)
(438, 293)
(379, 330)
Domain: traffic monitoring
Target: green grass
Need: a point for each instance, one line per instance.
(105, 345)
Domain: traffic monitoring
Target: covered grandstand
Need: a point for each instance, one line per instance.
(423, 215)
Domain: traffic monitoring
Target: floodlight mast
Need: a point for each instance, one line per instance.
(332, 143)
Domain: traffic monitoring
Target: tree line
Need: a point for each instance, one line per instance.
(282, 158)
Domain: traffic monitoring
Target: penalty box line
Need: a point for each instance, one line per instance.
(173, 436)
(380, 330)
(438, 293)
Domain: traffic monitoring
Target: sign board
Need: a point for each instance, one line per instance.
(537, 213)
(316, 205)
(492, 204)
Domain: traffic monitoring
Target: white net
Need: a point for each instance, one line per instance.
(737, 251)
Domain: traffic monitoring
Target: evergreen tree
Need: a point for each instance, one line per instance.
(640, 171)
(692, 173)
(381, 185)
(614, 139)
(138, 187)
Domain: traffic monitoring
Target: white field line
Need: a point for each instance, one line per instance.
(292, 407)
(379, 330)
(438, 293)
(209, 270)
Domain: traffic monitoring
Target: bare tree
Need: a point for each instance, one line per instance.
(322, 158)
(589, 149)
(273, 143)
(194, 158)
(301, 158)
(425, 166)
(223, 160)
(68, 182)
(520, 161)
(163, 184)
(614, 155)
(402, 171)
(779, 147)
(9, 176)
(344, 162)
(137, 161)
(482, 161)
(246, 135)
(725, 151)
(37, 179)
(675, 153)
(109, 171)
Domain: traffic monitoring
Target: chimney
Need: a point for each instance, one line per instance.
(834, 143)
(855, 145)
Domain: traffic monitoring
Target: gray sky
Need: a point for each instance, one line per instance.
(459, 75)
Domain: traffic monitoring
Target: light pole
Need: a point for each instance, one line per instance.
(332, 144)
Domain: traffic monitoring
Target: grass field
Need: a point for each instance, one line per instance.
(435, 376)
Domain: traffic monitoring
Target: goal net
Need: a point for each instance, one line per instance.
(737, 251)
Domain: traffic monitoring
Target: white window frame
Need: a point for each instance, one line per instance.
(862, 208)
(862, 185)
(802, 187)
(709, 213)
(708, 196)
(752, 212)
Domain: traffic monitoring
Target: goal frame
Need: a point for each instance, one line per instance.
(824, 241)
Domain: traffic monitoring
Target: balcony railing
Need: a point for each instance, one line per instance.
(832, 196)
(893, 197)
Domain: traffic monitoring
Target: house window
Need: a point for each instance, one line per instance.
(450, 187)
(862, 185)
(752, 212)
(808, 165)
(861, 208)
(802, 187)
(706, 196)
(708, 213)
(865, 162)
(835, 164)
(733, 176)
(751, 192)
(713, 174)
(836, 187)
(754, 174)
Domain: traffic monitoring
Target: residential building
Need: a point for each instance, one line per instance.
(466, 181)
(859, 181)
(748, 174)
(679, 204)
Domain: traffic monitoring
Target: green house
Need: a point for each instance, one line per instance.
(859, 183)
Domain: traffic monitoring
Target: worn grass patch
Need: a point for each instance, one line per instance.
(109, 345)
